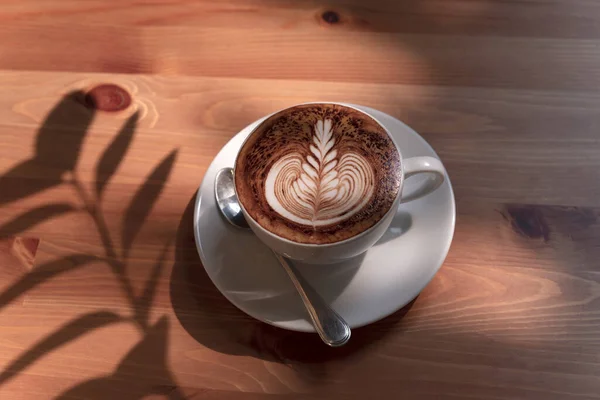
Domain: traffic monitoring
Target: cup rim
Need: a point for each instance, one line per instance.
(393, 207)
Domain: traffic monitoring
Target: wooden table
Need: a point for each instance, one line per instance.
(111, 112)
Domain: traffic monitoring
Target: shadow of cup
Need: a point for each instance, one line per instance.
(401, 223)
(217, 324)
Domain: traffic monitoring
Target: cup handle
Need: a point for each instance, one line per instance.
(428, 165)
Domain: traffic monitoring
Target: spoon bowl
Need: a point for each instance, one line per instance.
(227, 199)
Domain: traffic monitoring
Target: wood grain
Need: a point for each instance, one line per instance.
(484, 43)
(555, 19)
(561, 64)
(102, 293)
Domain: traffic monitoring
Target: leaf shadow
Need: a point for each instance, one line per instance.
(146, 362)
(114, 154)
(70, 331)
(143, 201)
(66, 125)
(33, 217)
(144, 302)
(44, 273)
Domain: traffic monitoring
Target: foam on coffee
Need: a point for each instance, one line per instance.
(318, 173)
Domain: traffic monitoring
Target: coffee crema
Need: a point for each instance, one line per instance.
(318, 173)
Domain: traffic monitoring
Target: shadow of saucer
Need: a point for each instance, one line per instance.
(217, 324)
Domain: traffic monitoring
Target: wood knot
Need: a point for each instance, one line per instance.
(331, 17)
(108, 97)
(527, 221)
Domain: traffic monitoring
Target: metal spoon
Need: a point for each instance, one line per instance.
(332, 328)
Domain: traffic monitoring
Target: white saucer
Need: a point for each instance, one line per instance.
(362, 290)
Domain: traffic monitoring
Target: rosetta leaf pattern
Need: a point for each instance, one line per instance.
(323, 187)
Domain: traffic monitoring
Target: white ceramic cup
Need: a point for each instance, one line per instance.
(356, 245)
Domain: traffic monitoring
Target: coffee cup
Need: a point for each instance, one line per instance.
(321, 182)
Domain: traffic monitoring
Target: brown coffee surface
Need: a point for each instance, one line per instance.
(318, 173)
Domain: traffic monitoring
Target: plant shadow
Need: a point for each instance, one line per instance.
(143, 371)
(66, 124)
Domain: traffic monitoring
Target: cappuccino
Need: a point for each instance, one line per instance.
(318, 173)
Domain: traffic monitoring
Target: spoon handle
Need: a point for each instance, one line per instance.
(330, 326)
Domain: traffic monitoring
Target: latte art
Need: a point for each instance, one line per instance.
(323, 187)
(318, 173)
